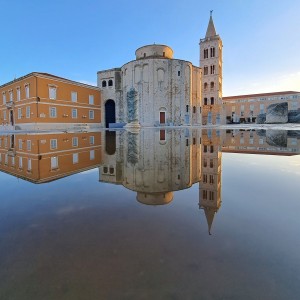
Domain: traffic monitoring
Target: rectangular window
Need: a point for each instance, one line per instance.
(75, 158)
(4, 115)
(27, 92)
(20, 162)
(13, 161)
(19, 113)
(0, 158)
(91, 114)
(54, 162)
(75, 141)
(4, 97)
(52, 93)
(29, 164)
(92, 154)
(211, 195)
(211, 179)
(20, 144)
(53, 144)
(74, 113)
(53, 113)
(18, 94)
(204, 194)
(262, 108)
(91, 99)
(211, 163)
(27, 112)
(92, 140)
(6, 159)
(29, 145)
(11, 96)
(74, 96)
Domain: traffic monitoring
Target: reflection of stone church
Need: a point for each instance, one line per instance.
(156, 163)
(156, 89)
(153, 163)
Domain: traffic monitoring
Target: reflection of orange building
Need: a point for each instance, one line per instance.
(45, 157)
(44, 101)
(270, 142)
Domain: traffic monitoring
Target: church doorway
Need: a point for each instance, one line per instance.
(162, 117)
(110, 112)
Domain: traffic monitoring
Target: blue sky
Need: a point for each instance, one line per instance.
(75, 39)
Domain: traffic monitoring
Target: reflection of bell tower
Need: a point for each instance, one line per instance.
(210, 186)
(211, 64)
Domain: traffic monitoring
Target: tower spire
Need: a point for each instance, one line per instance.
(211, 31)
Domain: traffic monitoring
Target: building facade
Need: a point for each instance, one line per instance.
(157, 90)
(245, 108)
(44, 101)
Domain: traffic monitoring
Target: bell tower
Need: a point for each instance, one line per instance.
(211, 64)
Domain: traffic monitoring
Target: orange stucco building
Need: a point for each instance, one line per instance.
(245, 108)
(44, 101)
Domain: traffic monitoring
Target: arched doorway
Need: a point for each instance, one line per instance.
(110, 112)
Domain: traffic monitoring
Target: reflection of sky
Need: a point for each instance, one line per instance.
(86, 237)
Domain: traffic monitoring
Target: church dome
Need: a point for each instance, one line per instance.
(154, 51)
(155, 198)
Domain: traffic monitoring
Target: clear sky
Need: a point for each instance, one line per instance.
(75, 38)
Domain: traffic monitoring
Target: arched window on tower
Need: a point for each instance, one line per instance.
(205, 53)
(205, 85)
(212, 69)
(103, 83)
(205, 101)
(212, 52)
(205, 70)
(110, 82)
(212, 85)
(212, 101)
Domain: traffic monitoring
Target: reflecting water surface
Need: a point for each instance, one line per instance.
(152, 214)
